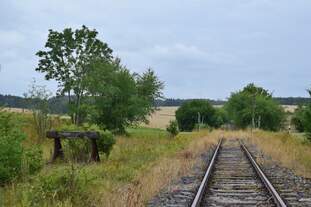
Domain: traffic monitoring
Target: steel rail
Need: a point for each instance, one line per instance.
(198, 197)
(276, 196)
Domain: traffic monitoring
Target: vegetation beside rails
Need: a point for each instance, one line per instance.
(145, 156)
(291, 150)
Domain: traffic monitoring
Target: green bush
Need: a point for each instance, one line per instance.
(298, 119)
(172, 128)
(105, 142)
(78, 150)
(307, 121)
(67, 184)
(32, 160)
(253, 101)
(15, 160)
(11, 150)
(188, 113)
(220, 117)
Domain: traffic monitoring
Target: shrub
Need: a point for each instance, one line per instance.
(298, 119)
(307, 121)
(106, 142)
(32, 160)
(221, 117)
(188, 113)
(11, 150)
(255, 102)
(38, 97)
(60, 185)
(79, 149)
(172, 128)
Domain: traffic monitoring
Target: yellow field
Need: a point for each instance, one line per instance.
(17, 110)
(290, 108)
(161, 118)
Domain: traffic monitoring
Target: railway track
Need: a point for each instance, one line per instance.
(233, 178)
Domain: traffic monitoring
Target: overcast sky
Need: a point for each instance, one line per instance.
(199, 48)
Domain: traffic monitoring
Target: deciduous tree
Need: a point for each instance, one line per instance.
(66, 58)
(254, 106)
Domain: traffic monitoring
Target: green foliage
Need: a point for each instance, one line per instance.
(32, 160)
(78, 150)
(106, 142)
(60, 185)
(188, 114)
(298, 118)
(11, 150)
(39, 96)
(66, 60)
(172, 128)
(255, 102)
(16, 161)
(104, 91)
(220, 117)
(119, 97)
(302, 118)
(307, 121)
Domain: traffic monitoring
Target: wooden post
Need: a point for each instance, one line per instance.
(58, 151)
(94, 153)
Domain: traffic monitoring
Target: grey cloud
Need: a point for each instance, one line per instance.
(199, 48)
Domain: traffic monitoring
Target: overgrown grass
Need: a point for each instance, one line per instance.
(291, 150)
(139, 165)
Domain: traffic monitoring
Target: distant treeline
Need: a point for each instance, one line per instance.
(58, 105)
(292, 100)
(179, 102)
(280, 100)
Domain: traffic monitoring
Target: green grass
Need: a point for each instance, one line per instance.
(92, 184)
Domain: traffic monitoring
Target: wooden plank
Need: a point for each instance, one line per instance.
(72, 135)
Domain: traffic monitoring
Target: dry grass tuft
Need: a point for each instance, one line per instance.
(290, 150)
(163, 172)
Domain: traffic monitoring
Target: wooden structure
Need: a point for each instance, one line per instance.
(58, 135)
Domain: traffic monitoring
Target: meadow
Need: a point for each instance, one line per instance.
(139, 165)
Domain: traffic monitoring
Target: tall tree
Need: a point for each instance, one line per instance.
(254, 106)
(66, 59)
(119, 97)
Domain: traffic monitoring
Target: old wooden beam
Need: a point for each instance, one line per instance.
(72, 135)
(57, 135)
